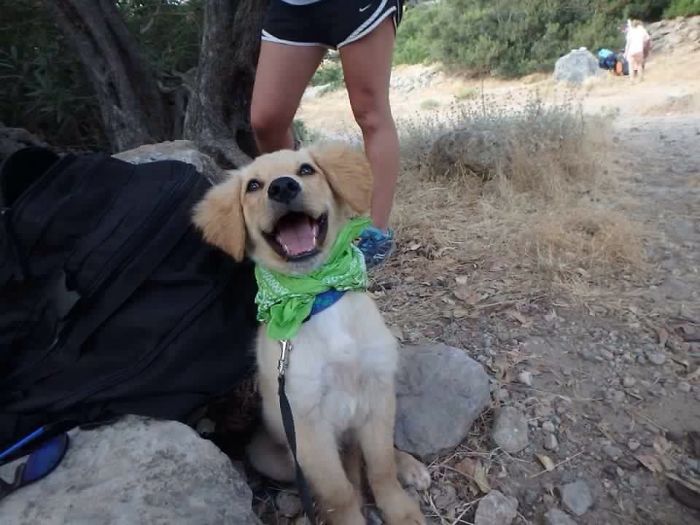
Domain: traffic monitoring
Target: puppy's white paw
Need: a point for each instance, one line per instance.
(412, 473)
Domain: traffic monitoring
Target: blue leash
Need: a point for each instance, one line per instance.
(22, 442)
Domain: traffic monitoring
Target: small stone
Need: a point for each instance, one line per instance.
(616, 396)
(543, 410)
(288, 504)
(610, 470)
(633, 444)
(557, 517)
(656, 358)
(548, 427)
(628, 381)
(634, 481)
(525, 378)
(612, 452)
(607, 354)
(496, 509)
(444, 495)
(577, 497)
(510, 431)
(550, 442)
(684, 386)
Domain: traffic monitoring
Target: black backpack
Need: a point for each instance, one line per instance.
(110, 301)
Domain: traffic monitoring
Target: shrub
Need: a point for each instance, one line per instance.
(515, 38)
(543, 213)
(682, 8)
(330, 74)
(413, 45)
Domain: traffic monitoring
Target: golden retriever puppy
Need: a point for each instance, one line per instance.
(285, 210)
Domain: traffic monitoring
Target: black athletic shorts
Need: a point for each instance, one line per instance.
(327, 23)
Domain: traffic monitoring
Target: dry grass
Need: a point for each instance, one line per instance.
(539, 211)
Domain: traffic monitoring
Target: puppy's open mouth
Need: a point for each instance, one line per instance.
(297, 235)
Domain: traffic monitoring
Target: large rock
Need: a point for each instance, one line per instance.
(669, 35)
(480, 152)
(135, 472)
(182, 150)
(440, 392)
(576, 66)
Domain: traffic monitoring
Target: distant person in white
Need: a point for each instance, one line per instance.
(637, 48)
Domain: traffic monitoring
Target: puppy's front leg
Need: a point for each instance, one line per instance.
(376, 439)
(320, 460)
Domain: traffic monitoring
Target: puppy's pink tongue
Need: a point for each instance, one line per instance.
(296, 234)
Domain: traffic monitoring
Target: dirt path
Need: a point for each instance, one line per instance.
(613, 400)
(619, 398)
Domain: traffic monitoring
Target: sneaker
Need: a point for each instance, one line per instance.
(376, 245)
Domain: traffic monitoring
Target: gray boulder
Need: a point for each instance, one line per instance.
(135, 472)
(440, 392)
(576, 66)
(182, 150)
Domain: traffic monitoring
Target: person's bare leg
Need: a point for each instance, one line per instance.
(282, 75)
(367, 69)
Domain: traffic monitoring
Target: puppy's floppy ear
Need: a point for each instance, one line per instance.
(219, 215)
(348, 173)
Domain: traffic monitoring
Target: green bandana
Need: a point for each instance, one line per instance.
(285, 301)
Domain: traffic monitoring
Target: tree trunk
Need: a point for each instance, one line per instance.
(134, 111)
(217, 118)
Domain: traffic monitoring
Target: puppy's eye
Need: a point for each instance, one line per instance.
(253, 185)
(305, 170)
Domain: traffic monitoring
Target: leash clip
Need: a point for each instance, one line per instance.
(285, 349)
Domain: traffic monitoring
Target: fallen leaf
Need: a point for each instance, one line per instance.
(546, 461)
(413, 247)
(497, 266)
(480, 478)
(502, 370)
(683, 362)
(467, 467)
(467, 294)
(693, 375)
(662, 335)
(688, 332)
(662, 445)
(460, 313)
(650, 462)
(521, 318)
(685, 491)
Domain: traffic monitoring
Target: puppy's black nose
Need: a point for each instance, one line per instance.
(283, 190)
